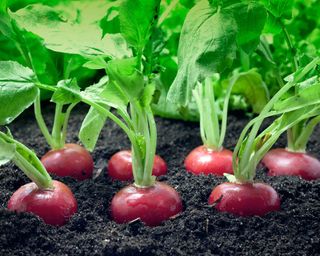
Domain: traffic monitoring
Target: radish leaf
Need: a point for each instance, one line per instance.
(18, 90)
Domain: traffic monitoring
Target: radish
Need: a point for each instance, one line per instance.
(282, 162)
(211, 157)
(71, 160)
(53, 205)
(245, 199)
(151, 205)
(203, 160)
(120, 166)
(293, 160)
(63, 159)
(50, 200)
(241, 195)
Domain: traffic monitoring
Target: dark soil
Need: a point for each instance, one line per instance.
(199, 230)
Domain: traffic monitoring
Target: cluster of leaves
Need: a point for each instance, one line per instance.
(229, 37)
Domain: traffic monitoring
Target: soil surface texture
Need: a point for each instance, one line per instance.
(198, 230)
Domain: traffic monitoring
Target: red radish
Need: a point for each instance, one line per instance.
(71, 160)
(211, 157)
(152, 205)
(246, 199)
(120, 166)
(283, 162)
(54, 206)
(202, 160)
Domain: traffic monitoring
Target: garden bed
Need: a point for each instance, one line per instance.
(199, 230)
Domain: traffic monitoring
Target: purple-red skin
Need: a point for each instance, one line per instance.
(54, 206)
(120, 166)
(249, 199)
(151, 205)
(206, 161)
(72, 161)
(281, 162)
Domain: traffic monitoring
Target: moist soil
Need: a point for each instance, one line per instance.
(198, 230)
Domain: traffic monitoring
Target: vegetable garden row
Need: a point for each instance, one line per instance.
(132, 59)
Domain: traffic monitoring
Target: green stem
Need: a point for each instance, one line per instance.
(245, 60)
(292, 132)
(225, 112)
(65, 123)
(245, 159)
(138, 153)
(148, 179)
(165, 14)
(114, 118)
(212, 112)
(66, 69)
(57, 127)
(124, 115)
(291, 48)
(303, 138)
(29, 163)
(196, 94)
(144, 148)
(209, 122)
(41, 123)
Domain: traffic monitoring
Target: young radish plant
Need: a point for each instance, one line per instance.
(211, 158)
(241, 195)
(294, 160)
(130, 91)
(211, 33)
(63, 159)
(51, 200)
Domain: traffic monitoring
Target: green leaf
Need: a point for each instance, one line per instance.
(147, 95)
(306, 96)
(279, 8)
(110, 24)
(72, 27)
(3, 6)
(91, 128)
(18, 90)
(114, 95)
(7, 151)
(272, 25)
(207, 45)
(28, 49)
(136, 20)
(125, 74)
(250, 85)
(250, 20)
(65, 93)
(13, 71)
(96, 62)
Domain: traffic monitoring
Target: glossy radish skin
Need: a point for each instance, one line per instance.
(54, 206)
(151, 205)
(72, 160)
(245, 199)
(120, 166)
(281, 162)
(205, 161)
